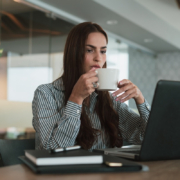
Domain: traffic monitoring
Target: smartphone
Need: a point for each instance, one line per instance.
(113, 164)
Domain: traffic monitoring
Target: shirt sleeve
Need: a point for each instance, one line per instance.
(55, 127)
(131, 124)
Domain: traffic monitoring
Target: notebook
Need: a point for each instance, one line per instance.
(161, 140)
(127, 166)
(81, 156)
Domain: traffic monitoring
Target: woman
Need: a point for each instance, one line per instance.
(71, 111)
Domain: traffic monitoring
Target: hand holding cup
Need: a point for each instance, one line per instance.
(128, 90)
(86, 84)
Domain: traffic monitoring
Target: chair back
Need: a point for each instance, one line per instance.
(10, 150)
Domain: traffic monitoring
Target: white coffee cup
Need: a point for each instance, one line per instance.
(107, 79)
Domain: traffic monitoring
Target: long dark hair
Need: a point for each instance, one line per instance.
(73, 60)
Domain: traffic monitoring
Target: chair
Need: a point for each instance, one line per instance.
(10, 150)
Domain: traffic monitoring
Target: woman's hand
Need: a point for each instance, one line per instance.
(128, 90)
(84, 86)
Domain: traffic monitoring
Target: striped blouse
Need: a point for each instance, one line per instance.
(57, 125)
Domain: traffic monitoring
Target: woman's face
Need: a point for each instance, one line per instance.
(95, 51)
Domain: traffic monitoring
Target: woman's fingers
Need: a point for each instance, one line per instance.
(123, 82)
(92, 86)
(124, 88)
(90, 73)
(126, 94)
(92, 82)
(127, 90)
(127, 98)
(86, 84)
(95, 85)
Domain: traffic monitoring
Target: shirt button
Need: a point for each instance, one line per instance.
(78, 111)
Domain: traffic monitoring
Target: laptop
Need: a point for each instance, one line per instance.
(162, 135)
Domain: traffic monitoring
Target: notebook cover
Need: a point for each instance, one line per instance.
(64, 157)
(72, 153)
(88, 168)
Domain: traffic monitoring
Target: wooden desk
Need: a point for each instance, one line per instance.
(160, 170)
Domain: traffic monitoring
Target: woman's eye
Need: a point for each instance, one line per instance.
(89, 50)
(103, 52)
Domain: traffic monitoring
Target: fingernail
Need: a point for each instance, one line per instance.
(96, 71)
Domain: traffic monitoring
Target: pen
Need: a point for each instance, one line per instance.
(65, 149)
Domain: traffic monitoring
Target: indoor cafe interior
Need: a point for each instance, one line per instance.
(143, 43)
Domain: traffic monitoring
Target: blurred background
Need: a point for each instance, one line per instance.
(144, 43)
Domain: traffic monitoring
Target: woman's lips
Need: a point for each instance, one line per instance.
(95, 67)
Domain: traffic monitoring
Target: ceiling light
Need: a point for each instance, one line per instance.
(148, 40)
(112, 22)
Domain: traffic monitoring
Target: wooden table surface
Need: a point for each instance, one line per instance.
(160, 170)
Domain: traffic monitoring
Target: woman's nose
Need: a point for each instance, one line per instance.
(98, 56)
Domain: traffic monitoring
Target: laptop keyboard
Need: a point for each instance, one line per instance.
(134, 152)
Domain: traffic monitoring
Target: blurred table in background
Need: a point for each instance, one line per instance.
(29, 133)
(2, 133)
(17, 133)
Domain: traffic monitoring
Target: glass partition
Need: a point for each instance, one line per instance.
(31, 50)
(117, 57)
